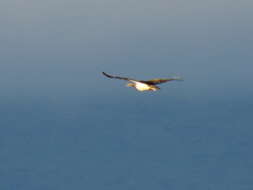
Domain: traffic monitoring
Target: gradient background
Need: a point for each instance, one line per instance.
(64, 126)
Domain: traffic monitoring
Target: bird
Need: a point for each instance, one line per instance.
(144, 85)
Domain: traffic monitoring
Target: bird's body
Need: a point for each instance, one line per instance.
(142, 85)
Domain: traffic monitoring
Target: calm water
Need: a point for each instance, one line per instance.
(159, 144)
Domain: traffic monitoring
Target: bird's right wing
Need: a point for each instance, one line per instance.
(117, 77)
(159, 81)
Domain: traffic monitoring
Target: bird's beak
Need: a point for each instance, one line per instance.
(129, 85)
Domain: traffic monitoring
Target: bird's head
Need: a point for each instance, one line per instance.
(130, 84)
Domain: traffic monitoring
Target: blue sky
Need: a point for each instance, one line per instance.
(72, 42)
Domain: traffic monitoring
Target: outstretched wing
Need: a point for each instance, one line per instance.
(117, 77)
(159, 81)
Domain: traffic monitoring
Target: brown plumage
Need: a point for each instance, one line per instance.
(143, 85)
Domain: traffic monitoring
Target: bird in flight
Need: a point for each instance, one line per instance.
(143, 85)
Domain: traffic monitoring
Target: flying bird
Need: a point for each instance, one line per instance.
(143, 85)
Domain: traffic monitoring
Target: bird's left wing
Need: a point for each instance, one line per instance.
(159, 81)
(117, 77)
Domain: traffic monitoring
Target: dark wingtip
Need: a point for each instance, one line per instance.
(106, 74)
